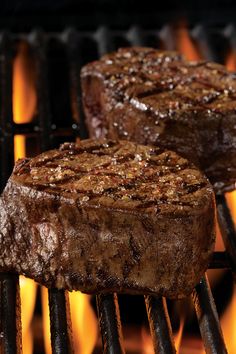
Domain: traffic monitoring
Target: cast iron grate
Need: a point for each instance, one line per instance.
(79, 48)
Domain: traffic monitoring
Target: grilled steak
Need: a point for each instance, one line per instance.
(102, 216)
(158, 98)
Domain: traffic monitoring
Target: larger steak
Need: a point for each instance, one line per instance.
(108, 216)
(155, 97)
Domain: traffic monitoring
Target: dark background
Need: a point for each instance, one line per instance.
(22, 15)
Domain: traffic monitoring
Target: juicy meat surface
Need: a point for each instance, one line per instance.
(158, 98)
(102, 216)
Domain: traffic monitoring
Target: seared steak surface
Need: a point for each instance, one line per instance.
(102, 216)
(156, 97)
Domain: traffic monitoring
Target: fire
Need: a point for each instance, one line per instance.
(83, 320)
(24, 94)
(228, 320)
(179, 334)
(231, 61)
(84, 323)
(228, 323)
(147, 344)
(24, 103)
(27, 286)
(185, 44)
(46, 320)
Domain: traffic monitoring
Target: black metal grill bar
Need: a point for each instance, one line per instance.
(136, 36)
(200, 35)
(160, 326)
(108, 308)
(72, 41)
(104, 41)
(208, 318)
(60, 323)
(219, 260)
(110, 325)
(33, 129)
(39, 42)
(6, 136)
(10, 320)
(227, 230)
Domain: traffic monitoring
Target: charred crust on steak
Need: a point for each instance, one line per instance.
(103, 216)
(124, 174)
(159, 98)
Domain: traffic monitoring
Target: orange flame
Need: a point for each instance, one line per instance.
(24, 95)
(231, 61)
(147, 344)
(179, 334)
(28, 295)
(24, 103)
(228, 320)
(46, 320)
(185, 44)
(228, 323)
(84, 322)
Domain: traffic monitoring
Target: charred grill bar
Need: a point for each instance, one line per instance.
(80, 47)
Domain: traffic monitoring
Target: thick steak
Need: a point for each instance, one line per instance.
(104, 216)
(155, 97)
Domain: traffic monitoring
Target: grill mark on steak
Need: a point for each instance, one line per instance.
(152, 89)
(101, 233)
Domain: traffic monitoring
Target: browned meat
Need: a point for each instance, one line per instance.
(104, 216)
(158, 98)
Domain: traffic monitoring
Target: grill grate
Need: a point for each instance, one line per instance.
(79, 48)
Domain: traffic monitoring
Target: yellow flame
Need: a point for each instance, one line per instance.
(24, 95)
(19, 147)
(84, 323)
(24, 101)
(28, 296)
(46, 320)
(228, 323)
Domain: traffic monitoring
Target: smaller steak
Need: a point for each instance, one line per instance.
(158, 98)
(102, 216)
